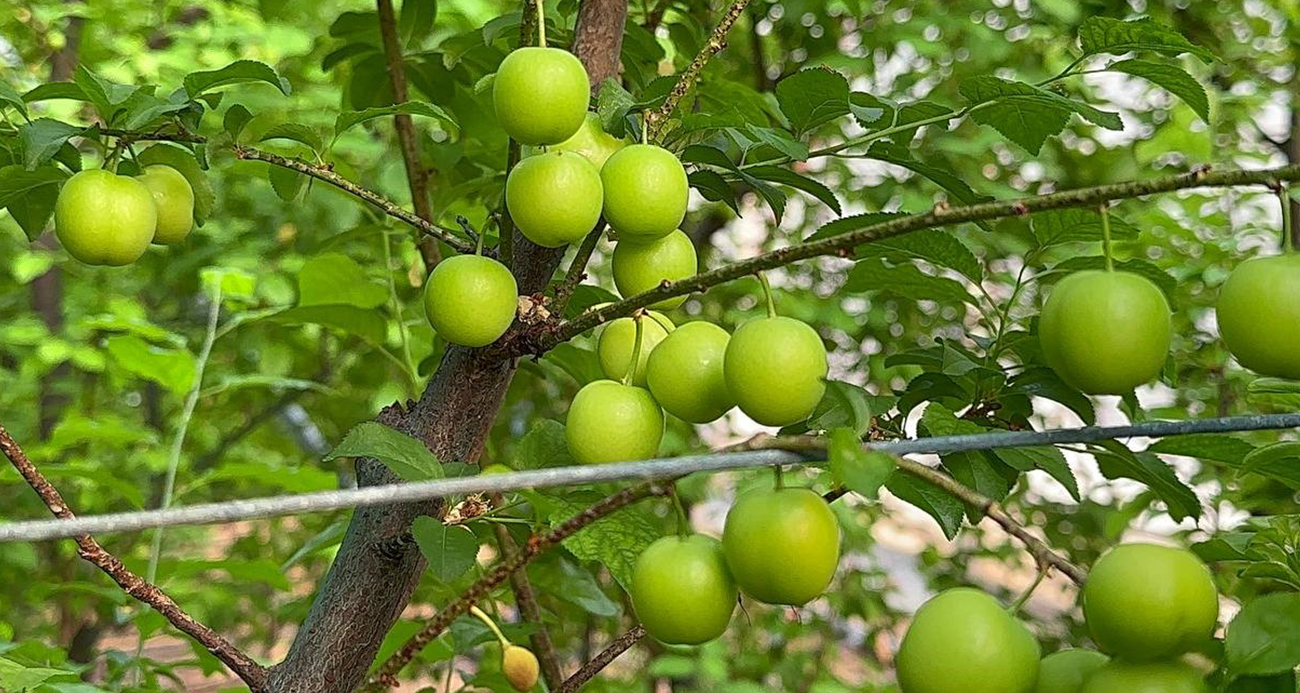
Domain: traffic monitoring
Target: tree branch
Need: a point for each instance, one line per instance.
(546, 335)
(416, 176)
(530, 612)
(602, 660)
(577, 269)
(137, 587)
(386, 675)
(657, 119)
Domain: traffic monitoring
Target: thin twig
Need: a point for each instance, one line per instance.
(530, 612)
(577, 269)
(137, 587)
(547, 334)
(717, 41)
(386, 675)
(602, 660)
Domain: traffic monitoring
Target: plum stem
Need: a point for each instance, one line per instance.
(778, 479)
(683, 522)
(1284, 196)
(541, 25)
(1029, 592)
(1106, 250)
(630, 376)
(767, 293)
(492, 626)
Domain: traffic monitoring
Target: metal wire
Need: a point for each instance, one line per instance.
(253, 508)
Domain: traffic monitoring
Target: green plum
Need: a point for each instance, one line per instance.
(618, 338)
(541, 94)
(1144, 602)
(782, 545)
(685, 374)
(174, 199)
(963, 640)
(776, 370)
(102, 218)
(1259, 315)
(1065, 671)
(471, 300)
(554, 198)
(590, 140)
(1145, 677)
(682, 591)
(645, 192)
(641, 266)
(612, 422)
(1105, 333)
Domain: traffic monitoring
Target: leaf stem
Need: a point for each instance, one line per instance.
(767, 294)
(492, 625)
(1106, 248)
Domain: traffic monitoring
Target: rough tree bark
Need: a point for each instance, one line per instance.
(376, 570)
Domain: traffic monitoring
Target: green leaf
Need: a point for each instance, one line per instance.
(235, 120)
(1215, 447)
(1145, 467)
(780, 141)
(714, 188)
(1263, 638)
(16, 678)
(857, 222)
(56, 90)
(409, 458)
(1045, 458)
(449, 551)
(33, 209)
(1260, 460)
(1043, 382)
(543, 446)
(901, 156)
(172, 368)
(1170, 77)
(296, 132)
(982, 473)
(939, 420)
(364, 323)
(936, 502)
(906, 281)
(286, 182)
(1143, 268)
(859, 470)
(348, 119)
(937, 247)
(11, 98)
(107, 96)
(184, 161)
(615, 540)
(1026, 114)
(416, 19)
(144, 109)
(579, 363)
(330, 536)
(813, 97)
(1105, 35)
(1072, 225)
(843, 405)
(333, 278)
(566, 580)
(42, 138)
(612, 105)
(776, 174)
(238, 72)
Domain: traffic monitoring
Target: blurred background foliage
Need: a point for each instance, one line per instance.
(95, 363)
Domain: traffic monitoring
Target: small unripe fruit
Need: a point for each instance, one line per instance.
(520, 667)
(776, 370)
(590, 140)
(641, 266)
(782, 545)
(1065, 671)
(612, 422)
(963, 640)
(174, 199)
(541, 94)
(1105, 333)
(685, 372)
(554, 198)
(1145, 677)
(102, 218)
(645, 192)
(470, 300)
(1259, 315)
(682, 591)
(618, 339)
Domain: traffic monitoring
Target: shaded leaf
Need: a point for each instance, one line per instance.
(936, 502)
(859, 470)
(615, 540)
(42, 138)
(1263, 638)
(1045, 458)
(1118, 461)
(776, 174)
(349, 119)
(1105, 35)
(813, 97)
(935, 246)
(238, 72)
(1170, 77)
(409, 458)
(905, 281)
(449, 551)
(334, 278)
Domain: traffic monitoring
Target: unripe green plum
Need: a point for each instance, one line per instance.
(685, 373)
(618, 339)
(590, 140)
(782, 545)
(1259, 315)
(102, 218)
(776, 370)
(541, 94)
(1145, 677)
(471, 300)
(682, 591)
(174, 199)
(1105, 333)
(641, 266)
(1145, 602)
(1065, 671)
(645, 192)
(612, 422)
(554, 198)
(963, 640)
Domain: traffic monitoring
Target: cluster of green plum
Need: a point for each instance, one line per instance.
(1145, 606)
(779, 546)
(1105, 332)
(103, 218)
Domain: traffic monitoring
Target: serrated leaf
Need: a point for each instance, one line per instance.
(106, 95)
(813, 97)
(939, 248)
(982, 473)
(1044, 458)
(778, 140)
(776, 174)
(856, 222)
(866, 109)
(238, 72)
(11, 98)
(1171, 78)
(901, 156)
(1113, 36)
(843, 405)
(564, 579)
(42, 138)
(1118, 461)
(286, 182)
(543, 446)
(333, 278)
(296, 132)
(235, 119)
(612, 104)
(1024, 113)
(1074, 225)
(1215, 447)
(449, 551)
(615, 540)
(18, 677)
(1043, 382)
(144, 109)
(32, 209)
(936, 502)
(1259, 460)
(364, 323)
(55, 90)
(184, 161)
(407, 457)
(714, 188)
(349, 119)
(416, 19)
(1143, 268)
(905, 281)
(1263, 639)
(16, 181)
(859, 470)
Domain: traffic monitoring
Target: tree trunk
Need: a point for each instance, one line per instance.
(377, 568)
